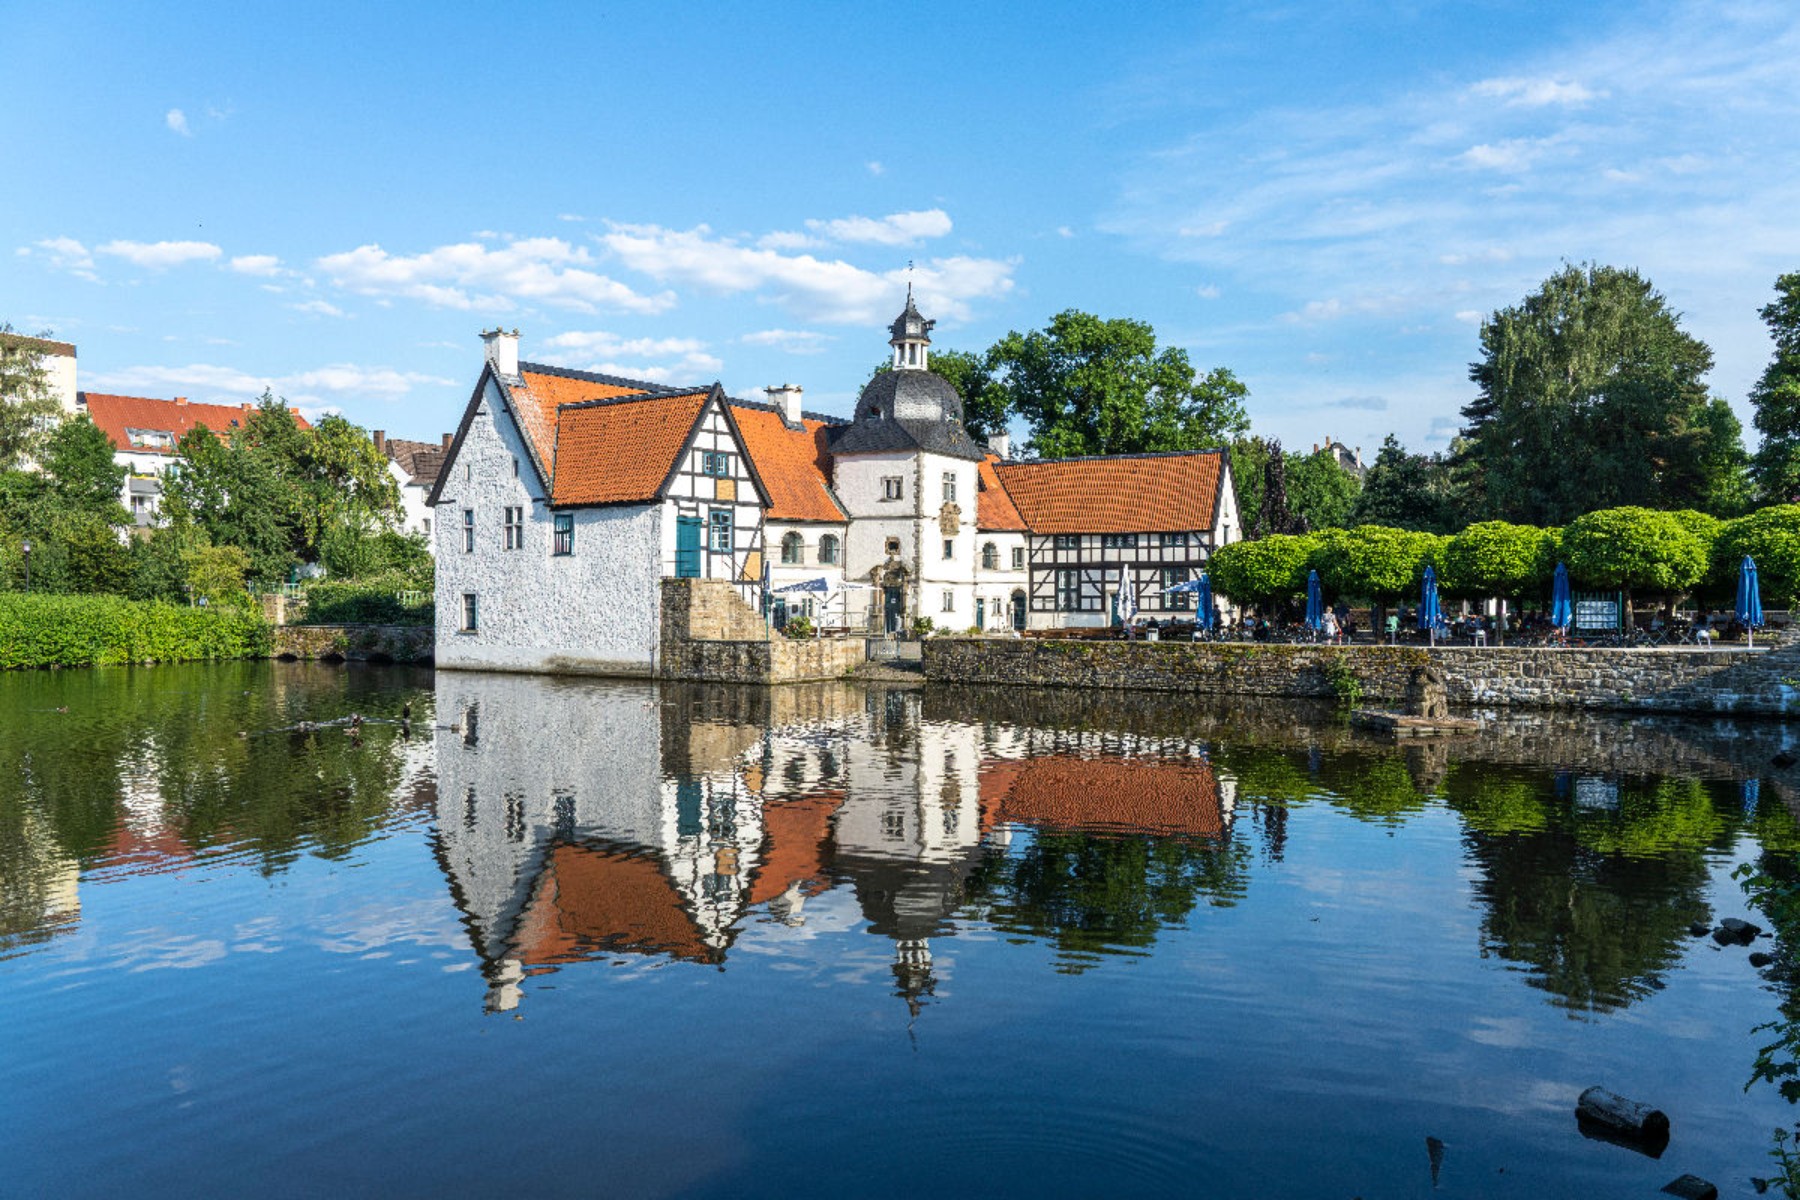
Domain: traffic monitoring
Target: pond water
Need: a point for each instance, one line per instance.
(579, 938)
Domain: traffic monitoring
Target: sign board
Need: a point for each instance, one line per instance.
(1596, 614)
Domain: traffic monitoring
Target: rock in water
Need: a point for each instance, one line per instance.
(1743, 931)
(1635, 1123)
(1760, 960)
(1692, 1187)
(1699, 929)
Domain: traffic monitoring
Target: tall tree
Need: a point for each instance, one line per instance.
(28, 410)
(1273, 516)
(79, 459)
(1409, 491)
(1320, 491)
(1091, 386)
(1776, 397)
(1591, 397)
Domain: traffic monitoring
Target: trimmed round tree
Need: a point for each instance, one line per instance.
(1375, 562)
(1269, 569)
(1635, 550)
(1771, 536)
(1495, 559)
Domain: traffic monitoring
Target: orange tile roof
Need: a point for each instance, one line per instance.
(1122, 493)
(620, 452)
(537, 397)
(797, 834)
(591, 900)
(1114, 795)
(994, 509)
(793, 464)
(117, 415)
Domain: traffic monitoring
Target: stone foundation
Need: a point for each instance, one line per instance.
(710, 635)
(355, 643)
(1672, 680)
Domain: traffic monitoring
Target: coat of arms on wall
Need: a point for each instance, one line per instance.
(950, 518)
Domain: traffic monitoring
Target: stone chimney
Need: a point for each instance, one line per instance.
(786, 399)
(380, 442)
(1000, 445)
(448, 438)
(502, 352)
(181, 399)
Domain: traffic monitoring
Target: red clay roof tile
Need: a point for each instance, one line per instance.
(1130, 493)
(621, 452)
(994, 509)
(117, 416)
(1107, 794)
(792, 463)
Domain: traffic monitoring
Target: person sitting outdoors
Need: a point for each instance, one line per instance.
(1393, 628)
(1703, 630)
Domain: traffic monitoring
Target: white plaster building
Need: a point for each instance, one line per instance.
(414, 468)
(57, 359)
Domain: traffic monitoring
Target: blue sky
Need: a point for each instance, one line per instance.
(333, 200)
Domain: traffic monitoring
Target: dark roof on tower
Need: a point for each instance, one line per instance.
(910, 324)
(908, 409)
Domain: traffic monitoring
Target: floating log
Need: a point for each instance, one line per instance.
(1691, 1187)
(1614, 1118)
(1400, 725)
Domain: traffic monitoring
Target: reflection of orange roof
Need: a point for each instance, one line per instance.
(135, 851)
(994, 509)
(620, 452)
(117, 416)
(1116, 795)
(795, 833)
(1120, 493)
(590, 900)
(790, 462)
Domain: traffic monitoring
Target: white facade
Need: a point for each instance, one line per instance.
(912, 527)
(415, 513)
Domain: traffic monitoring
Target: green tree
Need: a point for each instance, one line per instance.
(79, 459)
(986, 406)
(1408, 491)
(1770, 536)
(1320, 492)
(1269, 569)
(1776, 397)
(1374, 561)
(216, 573)
(1635, 549)
(1249, 461)
(1497, 559)
(1591, 396)
(28, 410)
(1091, 386)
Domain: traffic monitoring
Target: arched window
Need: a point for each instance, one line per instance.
(828, 549)
(791, 547)
(990, 557)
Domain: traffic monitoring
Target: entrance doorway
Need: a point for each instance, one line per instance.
(980, 614)
(1018, 611)
(893, 607)
(687, 547)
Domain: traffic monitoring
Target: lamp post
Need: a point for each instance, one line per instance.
(27, 548)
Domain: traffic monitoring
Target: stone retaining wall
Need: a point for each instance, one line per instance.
(355, 643)
(710, 635)
(1670, 680)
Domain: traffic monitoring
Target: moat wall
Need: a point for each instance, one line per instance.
(1672, 680)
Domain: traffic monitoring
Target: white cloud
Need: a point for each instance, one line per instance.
(1471, 316)
(875, 168)
(157, 256)
(1207, 291)
(1063, 231)
(348, 378)
(177, 122)
(791, 341)
(64, 254)
(1535, 93)
(786, 239)
(469, 275)
(600, 342)
(895, 229)
(193, 379)
(658, 360)
(319, 308)
(570, 217)
(231, 385)
(256, 264)
(820, 289)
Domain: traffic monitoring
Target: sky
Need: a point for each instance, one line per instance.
(333, 200)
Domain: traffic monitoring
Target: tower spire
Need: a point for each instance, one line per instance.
(910, 336)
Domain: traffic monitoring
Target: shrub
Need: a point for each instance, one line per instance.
(1636, 549)
(798, 627)
(390, 599)
(922, 627)
(78, 631)
(1771, 536)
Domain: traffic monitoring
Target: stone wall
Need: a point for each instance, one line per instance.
(710, 634)
(354, 643)
(1669, 680)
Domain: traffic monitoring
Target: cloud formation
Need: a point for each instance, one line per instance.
(790, 341)
(256, 264)
(896, 229)
(1535, 93)
(232, 385)
(159, 256)
(469, 275)
(177, 122)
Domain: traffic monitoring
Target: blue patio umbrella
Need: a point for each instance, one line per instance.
(1203, 599)
(1749, 598)
(1315, 603)
(1562, 608)
(1429, 613)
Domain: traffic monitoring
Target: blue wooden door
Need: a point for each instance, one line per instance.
(687, 547)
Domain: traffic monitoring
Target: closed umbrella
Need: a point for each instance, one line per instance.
(1203, 598)
(1315, 603)
(1429, 614)
(1749, 598)
(1562, 608)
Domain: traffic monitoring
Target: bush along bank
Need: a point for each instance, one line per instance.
(82, 631)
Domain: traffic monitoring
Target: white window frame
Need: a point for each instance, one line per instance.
(893, 487)
(949, 603)
(949, 487)
(471, 614)
(513, 523)
(468, 527)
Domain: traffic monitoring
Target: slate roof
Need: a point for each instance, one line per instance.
(118, 415)
(621, 451)
(994, 510)
(908, 409)
(1120, 493)
(795, 464)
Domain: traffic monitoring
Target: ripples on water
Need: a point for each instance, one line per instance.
(588, 937)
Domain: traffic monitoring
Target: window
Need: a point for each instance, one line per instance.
(515, 466)
(514, 526)
(1171, 577)
(1068, 541)
(716, 463)
(893, 487)
(828, 549)
(949, 549)
(949, 487)
(719, 530)
(949, 600)
(990, 557)
(793, 550)
(427, 524)
(1174, 541)
(564, 542)
(469, 624)
(1118, 541)
(1018, 558)
(893, 547)
(1068, 590)
(468, 530)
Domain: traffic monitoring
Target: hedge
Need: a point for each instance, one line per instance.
(80, 631)
(375, 601)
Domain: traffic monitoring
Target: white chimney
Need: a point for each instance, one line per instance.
(786, 400)
(502, 351)
(1000, 445)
